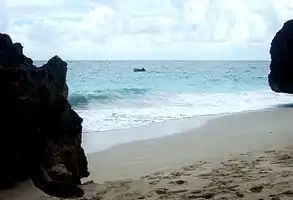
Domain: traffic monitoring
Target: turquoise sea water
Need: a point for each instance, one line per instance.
(109, 95)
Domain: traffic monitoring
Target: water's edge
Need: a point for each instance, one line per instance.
(101, 141)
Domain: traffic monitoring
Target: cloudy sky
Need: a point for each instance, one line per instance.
(145, 29)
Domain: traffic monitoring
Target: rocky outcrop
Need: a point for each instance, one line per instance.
(40, 134)
(280, 77)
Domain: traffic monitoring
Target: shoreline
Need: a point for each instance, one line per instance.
(100, 140)
(184, 118)
(129, 135)
(255, 131)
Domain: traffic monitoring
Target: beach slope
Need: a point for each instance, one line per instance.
(240, 156)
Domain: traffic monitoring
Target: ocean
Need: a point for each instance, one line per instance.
(109, 95)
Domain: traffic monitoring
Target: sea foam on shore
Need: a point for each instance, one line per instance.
(99, 141)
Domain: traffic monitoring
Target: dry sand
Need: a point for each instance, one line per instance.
(241, 156)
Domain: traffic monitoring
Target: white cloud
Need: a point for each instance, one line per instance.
(145, 29)
(3, 16)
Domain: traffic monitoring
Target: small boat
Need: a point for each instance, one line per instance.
(139, 69)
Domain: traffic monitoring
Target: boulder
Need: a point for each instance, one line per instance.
(281, 66)
(41, 134)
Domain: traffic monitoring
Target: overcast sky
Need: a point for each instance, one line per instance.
(145, 29)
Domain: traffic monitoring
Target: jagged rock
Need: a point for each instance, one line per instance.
(40, 134)
(281, 66)
(58, 69)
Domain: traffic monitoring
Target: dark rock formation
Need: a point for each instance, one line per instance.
(281, 74)
(40, 134)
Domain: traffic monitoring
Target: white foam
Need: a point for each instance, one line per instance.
(166, 107)
(99, 119)
(99, 141)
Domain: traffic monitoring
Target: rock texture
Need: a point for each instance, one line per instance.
(40, 134)
(280, 77)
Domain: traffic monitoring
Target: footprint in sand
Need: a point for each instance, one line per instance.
(202, 195)
(189, 168)
(154, 182)
(288, 193)
(246, 154)
(239, 194)
(177, 191)
(270, 151)
(256, 189)
(118, 186)
(285, 157)
(276, 198)
(167, 177)
(152, 178)
(161, 191)
(177, 174)
(178, 182)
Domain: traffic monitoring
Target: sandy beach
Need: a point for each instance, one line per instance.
(239, 156)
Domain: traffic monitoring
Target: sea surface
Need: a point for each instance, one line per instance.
(109, 95)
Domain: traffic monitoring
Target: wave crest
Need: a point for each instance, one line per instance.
(104, 96)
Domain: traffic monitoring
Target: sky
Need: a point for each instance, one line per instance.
(145, 29)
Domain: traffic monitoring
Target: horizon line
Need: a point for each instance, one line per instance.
(126, 60)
